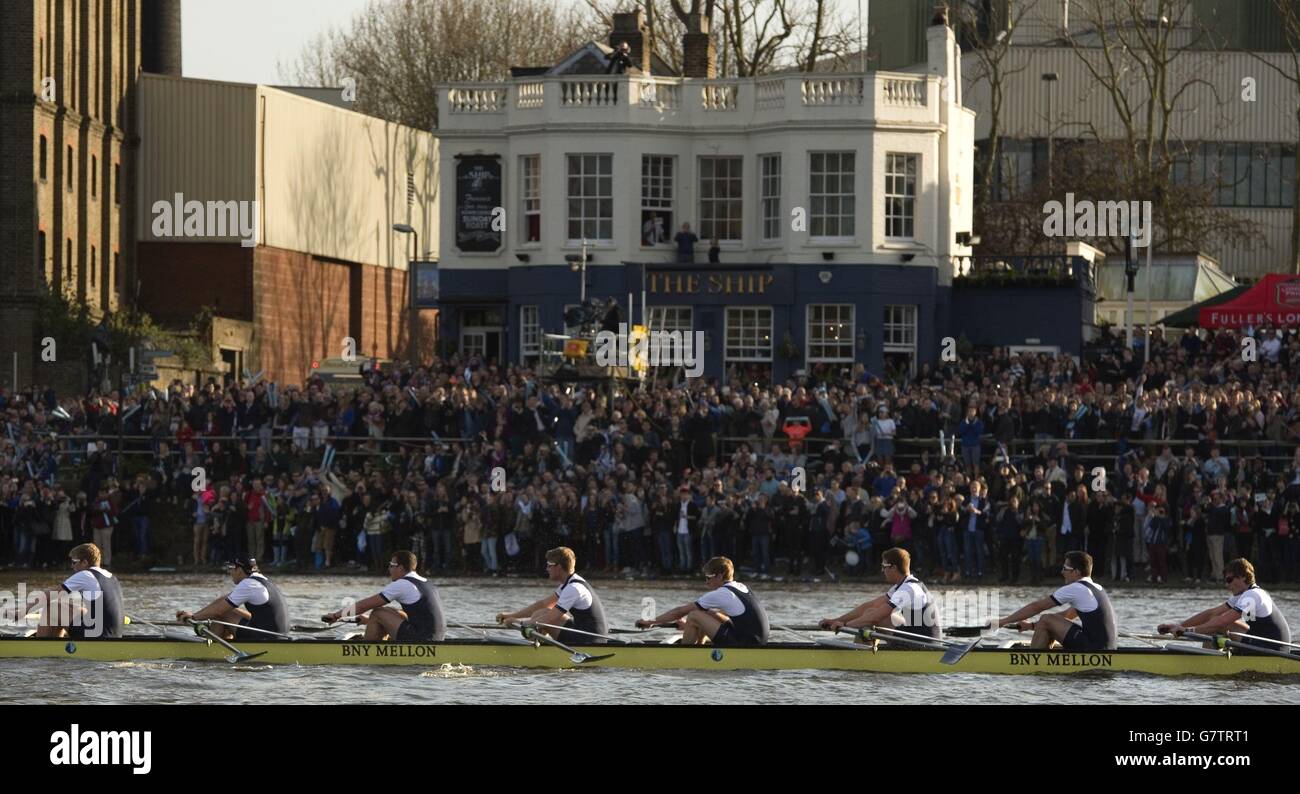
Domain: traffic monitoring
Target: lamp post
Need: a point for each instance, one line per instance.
(1050, 78)
(578, 264)
(413, 306)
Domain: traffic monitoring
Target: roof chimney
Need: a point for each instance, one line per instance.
(700, 57)
(631, 28)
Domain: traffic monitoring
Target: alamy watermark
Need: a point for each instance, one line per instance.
(1088, 218)
(654, 348)
(67, 611)
(181, 218)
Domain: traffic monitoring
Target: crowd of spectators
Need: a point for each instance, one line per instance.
(480, 467)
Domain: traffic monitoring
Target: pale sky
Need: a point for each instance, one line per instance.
(242, 41)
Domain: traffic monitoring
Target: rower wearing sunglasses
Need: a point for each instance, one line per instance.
(255, 602)
(418, 616)
(1087, 601)
(907, 606)
(574, 604)
(1250, 608)
(100, 614)
(729, 615)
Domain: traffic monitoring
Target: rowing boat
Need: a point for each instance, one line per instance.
(662, 656)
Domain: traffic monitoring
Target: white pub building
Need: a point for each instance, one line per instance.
(837, 201)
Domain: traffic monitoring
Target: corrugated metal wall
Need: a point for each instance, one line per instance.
(331, 182)
(336, 182)
(1082, 104)
(197, 138)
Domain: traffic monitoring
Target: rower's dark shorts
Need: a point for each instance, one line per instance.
(408, 633)
(726, 637)
(1077, 640)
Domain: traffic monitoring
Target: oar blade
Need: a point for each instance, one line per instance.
(957, 652)
(586, 658)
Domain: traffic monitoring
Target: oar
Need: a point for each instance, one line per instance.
(951, 631)
(318, 629)
(577, 657)
(506, 640)
(1262, 639)
(250, 628)
(956, 650)
(1220, 642)
(239, 656)
(576, 631)
(796, 632)
(671, 626)
(1143, 639)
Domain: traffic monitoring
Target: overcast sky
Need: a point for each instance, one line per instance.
(243, 40)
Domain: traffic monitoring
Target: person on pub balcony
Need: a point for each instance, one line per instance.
(686, 240)
(715, 252)
(652, 231)
(621, 60)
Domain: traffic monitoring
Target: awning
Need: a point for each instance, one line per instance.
(1190, 316)
(1274, 301)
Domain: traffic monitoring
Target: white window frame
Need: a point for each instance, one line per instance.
(476, 348)
(530, 196)
(844, 194)
(844, 343)
(756, 346)
(896, 320)
(708, 221)
(530, 332)
(657, 191)
(769, 202)
(900, 187)
(675, 318)
(603, 165)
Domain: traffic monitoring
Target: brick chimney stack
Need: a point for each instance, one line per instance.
(700, 57)
(630, 27)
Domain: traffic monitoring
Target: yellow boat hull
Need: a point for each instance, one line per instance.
(784, 656)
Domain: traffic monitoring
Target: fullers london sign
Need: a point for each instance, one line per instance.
(478, 195)
(709, 283)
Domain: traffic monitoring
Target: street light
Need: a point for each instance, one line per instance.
(1049, 78)
(578, 264)
(406, 228)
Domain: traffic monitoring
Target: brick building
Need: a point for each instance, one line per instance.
(67, 158)
(321, 261)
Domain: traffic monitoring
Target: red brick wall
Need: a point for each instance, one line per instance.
(301, 307)
(178, 279)
(385, 324)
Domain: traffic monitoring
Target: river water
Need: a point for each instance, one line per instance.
(158, 596)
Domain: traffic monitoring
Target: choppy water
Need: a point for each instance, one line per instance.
(158, 596)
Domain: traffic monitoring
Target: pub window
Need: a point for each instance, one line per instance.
(530, 334)
(656, 199)
(770, 198)
(530, 191)
(674, 319)
(831, 195)
(721, 202)
(830, 332)
(591, 197)
(900, 196)
(900, 340)
(749, 333)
